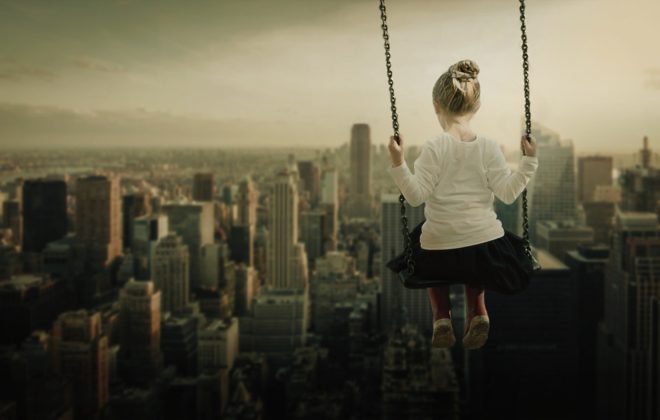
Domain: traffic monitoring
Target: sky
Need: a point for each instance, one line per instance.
(253, 73)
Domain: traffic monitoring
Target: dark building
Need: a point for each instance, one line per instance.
(310, 175)
(44, 213)
(28, 303)
(587, 265)
(530, 360)
(12, 219)
(640, 186)
(203, 187)
(239, 244)
(625, 340)
(8, 261)
(133, 205)
(178, 342)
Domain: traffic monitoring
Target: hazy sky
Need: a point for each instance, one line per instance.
(245, 72)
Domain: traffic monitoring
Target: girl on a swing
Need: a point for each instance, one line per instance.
(456, 175)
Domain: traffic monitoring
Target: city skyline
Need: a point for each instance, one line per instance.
(229, 73)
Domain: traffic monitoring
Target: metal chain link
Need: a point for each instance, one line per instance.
(410, 263)
(528, 120)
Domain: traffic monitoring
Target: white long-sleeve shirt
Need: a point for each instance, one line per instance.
(458, 181)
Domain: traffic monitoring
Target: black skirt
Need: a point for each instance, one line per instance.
(494, 265)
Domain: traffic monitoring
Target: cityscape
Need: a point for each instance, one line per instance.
(197, 210)
(233, 284)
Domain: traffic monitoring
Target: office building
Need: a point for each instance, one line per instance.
(98, 215)
(44, 213)
(170, 272)
(360, 197)
(593, 171)
(203, 187)
(398, 303)
(194, 222)
(140, 358)
(133, 205)
(80, 353)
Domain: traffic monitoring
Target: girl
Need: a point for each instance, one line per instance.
(456, 175)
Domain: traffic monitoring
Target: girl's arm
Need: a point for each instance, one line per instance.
(506, 184)
(418, 186)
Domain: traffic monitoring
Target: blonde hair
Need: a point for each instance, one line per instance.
(457, 90)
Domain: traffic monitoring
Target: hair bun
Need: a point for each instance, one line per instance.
(464, 70)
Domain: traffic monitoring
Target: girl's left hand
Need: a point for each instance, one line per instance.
(396, 151)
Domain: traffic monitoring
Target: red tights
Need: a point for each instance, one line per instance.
(441, 306)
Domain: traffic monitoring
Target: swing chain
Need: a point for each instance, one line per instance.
(395, 126)
(528, 121)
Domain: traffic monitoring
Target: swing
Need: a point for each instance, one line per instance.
(525, 264)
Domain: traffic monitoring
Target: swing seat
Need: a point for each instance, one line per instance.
(501, 265)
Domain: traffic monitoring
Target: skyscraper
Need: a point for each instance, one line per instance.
(553, 187)
(44, 213)
(396, 298)
(247, 200)
(310, 176)
(140, 358)
(170, 272)
(80, 353)
(203, 187)
(330, 203)
(147, 230)
(359, 204)
(194, 222)
(640, 186)
(313, 233)
(285, 255)
(98, 213)
(632, 279)
(592, 172)
(133, 205)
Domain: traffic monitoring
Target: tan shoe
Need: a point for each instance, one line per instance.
(443, 333)
(477, 333)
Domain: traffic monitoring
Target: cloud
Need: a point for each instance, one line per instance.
(13, 71)
(28, 126)
(97, 65)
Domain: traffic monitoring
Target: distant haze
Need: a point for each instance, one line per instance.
(265, 73)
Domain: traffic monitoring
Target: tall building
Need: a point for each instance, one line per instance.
(241, 244)
(285, 255)
(587, 265)
(178, 342)
(203, 187)
(140, 358)
(640, 186)
(593, 171)
(560, 237)
(133, 205)
(625, 341)
(599, 215)
(247, 287)
(80, 353)
(170, 272)
(217, 269)
(359, 202)
(531, 357)
(44, 213)
(400, 304)
(278, 324)
(330, 203)
(552, 188)
(147, 231)
(314, 234)
(310, 176)
(98, 214)
(247, 201)
(12, 218)
(194, 222)
(218, 345)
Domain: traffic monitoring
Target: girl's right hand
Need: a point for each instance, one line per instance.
(528, 147)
